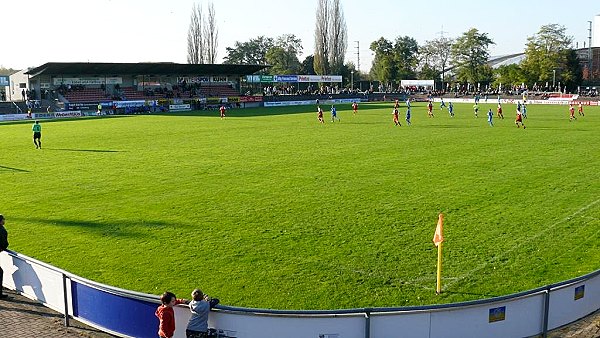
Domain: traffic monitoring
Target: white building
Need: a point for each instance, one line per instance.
(19, 84)
(596, 31)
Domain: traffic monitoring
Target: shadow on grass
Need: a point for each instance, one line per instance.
(451, 126)
(85, 150)
(479, 295)
(14, 169)
(75, 119)
(273, 111)
(105, 228)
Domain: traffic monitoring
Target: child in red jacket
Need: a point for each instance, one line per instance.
(166, 315)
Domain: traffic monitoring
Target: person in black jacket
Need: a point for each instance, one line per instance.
(3, 246)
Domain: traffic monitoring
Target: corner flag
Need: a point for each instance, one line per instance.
(438, 237)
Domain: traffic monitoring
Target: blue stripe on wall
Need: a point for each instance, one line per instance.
(119, 314)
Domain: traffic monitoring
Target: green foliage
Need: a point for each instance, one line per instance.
(549, 51)
(268, 208)
(253, 52)
(470, 55)
(283, 55)
(509, 75)
(307, 66)
(405, 57)
(574, 74)
(434, 56)
(382, 68)
(394, 62)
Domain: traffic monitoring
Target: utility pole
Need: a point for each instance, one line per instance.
(590, 53)
(441, 33)
(357, 55)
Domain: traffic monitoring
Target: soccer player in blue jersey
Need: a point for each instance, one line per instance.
(408, 116)
(490, 114)
(451, 109)
(334, 114)
(442, 104)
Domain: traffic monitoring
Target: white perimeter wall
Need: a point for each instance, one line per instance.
(523, 314)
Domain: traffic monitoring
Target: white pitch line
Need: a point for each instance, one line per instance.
(485, 264)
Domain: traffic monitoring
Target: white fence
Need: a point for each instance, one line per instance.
(131, 314)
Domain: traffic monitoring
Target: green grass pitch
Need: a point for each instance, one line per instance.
(268, 208)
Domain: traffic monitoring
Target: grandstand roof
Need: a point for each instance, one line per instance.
(505, 60)
(112, 69)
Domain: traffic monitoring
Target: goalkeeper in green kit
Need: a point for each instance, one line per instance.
(37, 134)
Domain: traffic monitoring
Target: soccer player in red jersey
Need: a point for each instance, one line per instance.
(580, 109)
(430, 109)
(572, 113)
(320, 115)
(395, 113)
(499, 111)
(354, 107)
(519, 119)
(222, 110)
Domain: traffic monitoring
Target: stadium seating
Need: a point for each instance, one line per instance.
(130, 93)
(86, 95)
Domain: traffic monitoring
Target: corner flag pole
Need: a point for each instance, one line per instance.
(438, 239)
(438, 288)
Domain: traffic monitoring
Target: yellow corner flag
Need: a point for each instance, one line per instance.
(438, 238)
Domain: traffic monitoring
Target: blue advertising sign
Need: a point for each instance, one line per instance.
(4, 81)
(286, 78)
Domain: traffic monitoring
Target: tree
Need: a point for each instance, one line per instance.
(574, 74)
(509, 75)
(253, 52)
(434, 58)
(470, 55)
(283, 55)
(339, 38)
(211, 35)
(405, 53)
(331, 39)
(7, 71)
(308, 66)
(394, 62)
(202, 40)
(547, 53)
(195, 41)
(383, 68)
(321, 56)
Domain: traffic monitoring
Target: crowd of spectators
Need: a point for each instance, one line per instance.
(309, 90)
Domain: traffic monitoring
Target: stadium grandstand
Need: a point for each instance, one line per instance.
(76, 85)
(590, 64)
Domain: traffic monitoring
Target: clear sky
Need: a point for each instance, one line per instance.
(39, 31)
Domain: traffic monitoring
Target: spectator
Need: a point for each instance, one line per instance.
(3, 246)
(166, 315)
(200, 307)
